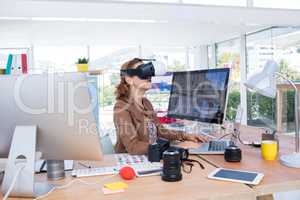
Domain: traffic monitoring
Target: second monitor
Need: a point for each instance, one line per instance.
(199, 95)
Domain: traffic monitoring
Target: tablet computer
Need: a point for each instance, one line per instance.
(248, 177)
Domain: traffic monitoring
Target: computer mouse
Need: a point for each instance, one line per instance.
(127, 173)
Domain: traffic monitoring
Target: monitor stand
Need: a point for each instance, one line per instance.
(22, 155)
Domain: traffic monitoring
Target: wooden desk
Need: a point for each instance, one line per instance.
(194, 186)
(278, 178)
(281, 88)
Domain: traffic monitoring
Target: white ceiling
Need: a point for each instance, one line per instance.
(114, 33)
(166, 24)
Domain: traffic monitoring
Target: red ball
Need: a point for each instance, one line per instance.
(127, 173)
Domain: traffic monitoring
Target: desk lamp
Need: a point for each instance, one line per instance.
(264, 83)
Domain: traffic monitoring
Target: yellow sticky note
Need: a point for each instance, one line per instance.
(116, 185)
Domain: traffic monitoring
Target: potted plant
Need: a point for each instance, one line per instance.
(82, 64)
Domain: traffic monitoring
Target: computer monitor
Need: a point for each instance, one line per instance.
(199, 95)
(60, 106)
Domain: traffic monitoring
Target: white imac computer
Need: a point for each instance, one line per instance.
(47, 113)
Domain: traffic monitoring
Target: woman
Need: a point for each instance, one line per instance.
(134, 116)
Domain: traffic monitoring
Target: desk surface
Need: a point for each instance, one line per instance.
(193, 186)
(277, 178)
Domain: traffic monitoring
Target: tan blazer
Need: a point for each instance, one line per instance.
(131, 124)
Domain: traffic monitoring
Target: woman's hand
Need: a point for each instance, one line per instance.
(195, 138)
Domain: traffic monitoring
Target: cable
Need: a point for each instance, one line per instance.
(239, 138)
(236, 134)
(42, 166)
(84, 165)
(228, 134)
(69, 184)
(12, 185)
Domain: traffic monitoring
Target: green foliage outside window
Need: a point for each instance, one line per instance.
(107, 92)
(232, 104)
(261, 108)
(107, 95)
(286, 69)
(232, 60)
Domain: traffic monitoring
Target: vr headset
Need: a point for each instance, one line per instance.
(147, 70)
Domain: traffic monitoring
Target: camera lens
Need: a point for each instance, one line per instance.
(171, 166)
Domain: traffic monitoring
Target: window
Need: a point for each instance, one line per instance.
(176, 59)
(261, 109)
(58, 58)
(109, 58)
(292, 4)
(173, 57)
(190, 58)
(228, 56)
(282, 45)
(211, 56)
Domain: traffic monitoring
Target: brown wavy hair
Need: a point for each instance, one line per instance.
(122, 90)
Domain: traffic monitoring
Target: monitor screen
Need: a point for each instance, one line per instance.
(199, 95)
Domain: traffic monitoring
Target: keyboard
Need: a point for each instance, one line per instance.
(216, 145)
(95, 171)
(141, 169)
(147, 169)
